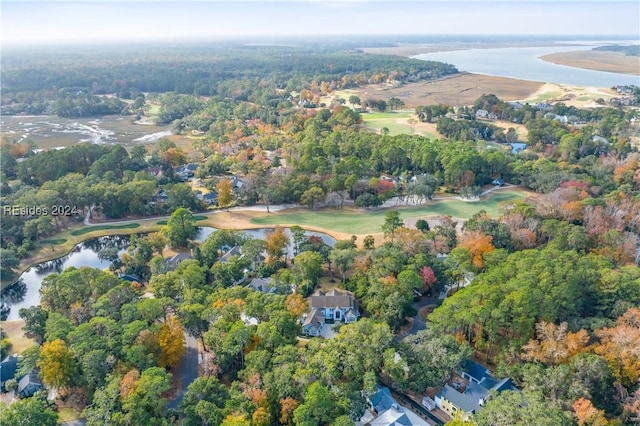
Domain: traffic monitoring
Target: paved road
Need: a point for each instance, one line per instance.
(257, 208)
(188, 370)
(78, 422)
(417, 323)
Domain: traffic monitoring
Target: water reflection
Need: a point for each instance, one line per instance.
(516, 147)
(26, 291)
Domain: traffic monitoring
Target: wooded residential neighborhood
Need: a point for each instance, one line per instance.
(298, 242)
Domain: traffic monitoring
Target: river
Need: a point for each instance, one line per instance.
(26, 292)
(524, 63)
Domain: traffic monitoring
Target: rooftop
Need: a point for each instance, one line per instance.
(333, 299)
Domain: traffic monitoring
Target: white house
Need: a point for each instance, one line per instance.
(335, 305)
(332, 305)
(312, 323)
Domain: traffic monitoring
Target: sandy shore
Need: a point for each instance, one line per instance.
(578, 96)
(616, 62)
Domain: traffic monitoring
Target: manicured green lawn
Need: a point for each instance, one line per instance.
(88, 229)
(55, 241)
(387, 115)
(545, 96)
(197, 217)
(366, 222)
(377, 120)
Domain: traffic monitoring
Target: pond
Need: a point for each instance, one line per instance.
(25, 292)
(516, 147)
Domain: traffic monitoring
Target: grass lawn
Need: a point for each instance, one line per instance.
(154, 110)
(66, 414)
(351, 221)
(13, 330)
(395, 121)
(545, 96)
(54, 241)
(197, 218)
(88, 229)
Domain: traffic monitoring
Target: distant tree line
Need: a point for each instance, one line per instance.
(35, 86)
(630, 50)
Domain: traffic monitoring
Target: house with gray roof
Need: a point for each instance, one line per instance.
(332, 305)
(384, 410)
(186, 171)
(30, 384)
(469, 396)
(312, 323)
(211, 198)
(335, 305)
(262, 285)
(233, 251)
(173, 261)
(8, 369)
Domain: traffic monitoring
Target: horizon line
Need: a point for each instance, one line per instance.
(333, 36)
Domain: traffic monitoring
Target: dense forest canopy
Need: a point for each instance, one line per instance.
(48, 84)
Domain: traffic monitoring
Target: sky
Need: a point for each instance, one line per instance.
(86, 21)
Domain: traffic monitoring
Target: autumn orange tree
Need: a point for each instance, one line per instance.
(57, 365)
(172, 342)
(555, 344)
(296, 304)
(129, 382)
(277, 241)
(225, 192)
(287, 407)
(478, 244)
(620, 347)
(587, 414)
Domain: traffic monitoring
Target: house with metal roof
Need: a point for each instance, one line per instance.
(469, 396)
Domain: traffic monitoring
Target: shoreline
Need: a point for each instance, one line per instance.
(410, 49)
(614, 62)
